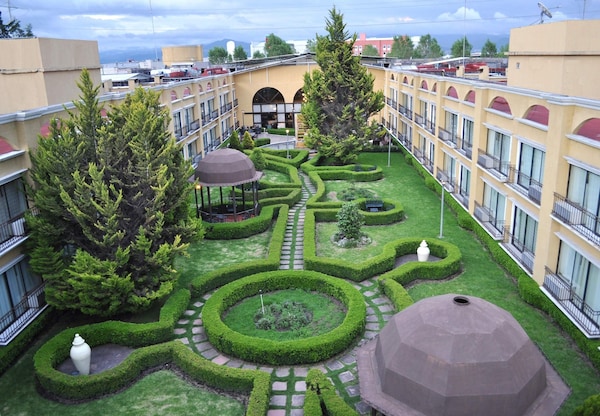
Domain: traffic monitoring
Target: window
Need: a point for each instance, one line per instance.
(467, 132)
(177, 124)
(465, 182)
(449, 167)
(12, 207)
(15, 283)
(525, 231)
(189, 118)
(452, 125)
(582, 276)
(495, 202)
(498, 146)
(584, 189)
(531, 166)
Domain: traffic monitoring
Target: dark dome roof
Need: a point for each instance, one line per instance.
(226, 167)
(455, 355)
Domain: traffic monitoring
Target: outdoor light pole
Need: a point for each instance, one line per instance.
(287, 143)
(389, 149)
(196, 188)
(442, 212)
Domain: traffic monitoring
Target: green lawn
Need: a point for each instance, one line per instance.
(165, 393)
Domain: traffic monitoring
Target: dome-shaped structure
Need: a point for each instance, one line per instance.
(226, 167)
(455, 355)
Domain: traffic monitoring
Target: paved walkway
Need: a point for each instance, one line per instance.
(289, 384)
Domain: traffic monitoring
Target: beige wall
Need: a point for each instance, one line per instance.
(40, 72)
(558, 57)
(172, 54)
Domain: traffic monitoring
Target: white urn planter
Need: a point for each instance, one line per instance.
(81, 354)
(423, 251)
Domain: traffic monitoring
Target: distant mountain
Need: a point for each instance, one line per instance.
(138, 55)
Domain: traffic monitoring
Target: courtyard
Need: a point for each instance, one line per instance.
(163, 392)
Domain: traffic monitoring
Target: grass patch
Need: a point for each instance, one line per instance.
(208, 255)
(274, 176)
(326, 314)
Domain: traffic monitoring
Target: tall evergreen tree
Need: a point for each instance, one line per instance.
(339, 97)
(111, 200)
(239, 54)
(461, 47)
(402, 47)
(13, 29)
(489, 49)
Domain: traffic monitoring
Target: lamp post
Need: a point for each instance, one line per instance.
(197, 188)
(287, 143)
(442, 212)
(389, 149)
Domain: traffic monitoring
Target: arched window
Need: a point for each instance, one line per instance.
(538, 114)
(187, 92)
(208, 86)
(405, 80)
(590, 129)
(5, 146)
(434, 88)
(173, 95)
(452, 93)
(470, 97)
(500, 104)
(424, 84)
(200, 88)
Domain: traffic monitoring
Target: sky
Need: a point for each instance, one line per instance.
(130, 24)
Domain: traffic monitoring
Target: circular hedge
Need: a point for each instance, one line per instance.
(264, 351)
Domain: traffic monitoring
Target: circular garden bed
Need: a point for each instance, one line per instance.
(303, 349)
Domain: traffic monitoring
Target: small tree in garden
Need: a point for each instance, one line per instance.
(350, 221)
(258, 158)
(247, 142)
(234, 141)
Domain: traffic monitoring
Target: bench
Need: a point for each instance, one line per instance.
(374, 205)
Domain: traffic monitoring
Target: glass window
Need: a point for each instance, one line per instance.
(531, 165)
(525, 230)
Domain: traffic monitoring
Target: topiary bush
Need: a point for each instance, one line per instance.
(258, 159)
(350, 220)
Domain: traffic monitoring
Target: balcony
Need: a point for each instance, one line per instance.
(182, 132)
(493, 225)
(563, 296)
(22, 314)
(526, 185)
(447, 181)
(448, 137)
(518, 251)
(214, 115)
(405, 111)
(430, 126)
(465, 147)
(500, 169)
(12, 233)
(428, 164)
(418, 154)
(235, 102)
(584, 222)
(419, 119)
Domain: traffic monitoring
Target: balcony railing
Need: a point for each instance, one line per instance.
(214, 114)
(235, 102)
(447, 136)
(583, 221)
(526, 185)
(518, 250)
(486, 216)
(574, 307)
(418, 154)
(430, 126)
(20, 314)
(205, 119)
(465, 147)
(428, 164)
(405, 111)
(419, 119)
(12, 232)
(182, 132)
(444, 177)
(497, 167)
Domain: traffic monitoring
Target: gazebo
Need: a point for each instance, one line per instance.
(453, 355)
(227, 169)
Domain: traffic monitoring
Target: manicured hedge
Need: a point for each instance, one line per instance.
(241, 229)
(286, 169)
(56, 350)
(224, 275)
(383, 262)
(307, 350)
(321, 397)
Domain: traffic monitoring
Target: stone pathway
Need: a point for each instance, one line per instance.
(289, 386)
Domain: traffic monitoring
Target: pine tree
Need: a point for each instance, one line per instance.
(247, 142)
(258, 159)
(234, 141)
(111, 197)
(339, 97)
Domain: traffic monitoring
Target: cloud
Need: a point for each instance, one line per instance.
(461, 14)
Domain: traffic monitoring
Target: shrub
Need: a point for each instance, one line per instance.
(247, 142)
(258, 159)
(350, 220)
(234, 141)
(320, 394)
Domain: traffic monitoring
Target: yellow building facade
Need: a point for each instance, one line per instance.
(523, 161)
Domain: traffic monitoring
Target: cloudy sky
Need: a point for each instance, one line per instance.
(128, 24)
